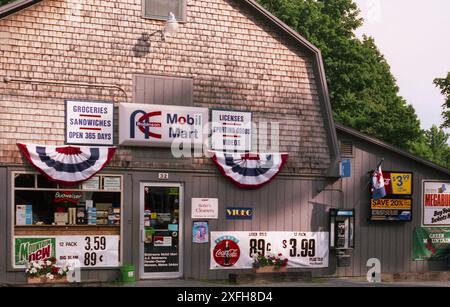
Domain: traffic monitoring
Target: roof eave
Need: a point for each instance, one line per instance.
(392, 148)
(15, 6)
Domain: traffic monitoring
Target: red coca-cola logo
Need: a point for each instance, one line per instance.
(226, 253)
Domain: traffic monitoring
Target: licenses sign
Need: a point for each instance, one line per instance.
(436, 203)
(231, 130)
(235, 250)
(89, 123)
(161, 125)
(205, 208)
(87, 251)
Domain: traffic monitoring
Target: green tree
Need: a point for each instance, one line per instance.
(5, 1)
(433, 146)
(363, 92)
(444, 86)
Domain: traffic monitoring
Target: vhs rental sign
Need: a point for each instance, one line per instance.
(235, 250)
(160, 125)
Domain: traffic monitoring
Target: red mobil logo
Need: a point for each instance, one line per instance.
(226, 252)
(145, 124)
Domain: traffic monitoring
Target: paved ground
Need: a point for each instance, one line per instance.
(322, 282)
(317, 282)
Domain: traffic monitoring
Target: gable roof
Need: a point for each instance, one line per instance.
(392, 148)
(291, 35)
(15, 6)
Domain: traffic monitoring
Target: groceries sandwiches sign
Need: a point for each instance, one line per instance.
(161, 125)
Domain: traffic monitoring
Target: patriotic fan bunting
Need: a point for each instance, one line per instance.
(249, 170)
(68, 165)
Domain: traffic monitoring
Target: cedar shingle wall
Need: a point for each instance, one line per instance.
(235, 60)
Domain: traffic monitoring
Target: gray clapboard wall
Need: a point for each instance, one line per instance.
(391, 242)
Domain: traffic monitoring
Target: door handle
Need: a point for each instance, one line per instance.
(143, 235)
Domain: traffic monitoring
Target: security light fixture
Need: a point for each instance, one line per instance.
(171, 26)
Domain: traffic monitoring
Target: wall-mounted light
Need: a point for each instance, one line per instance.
(171, 26)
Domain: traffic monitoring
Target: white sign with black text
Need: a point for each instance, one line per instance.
(91, 251)
(238, 249)
(231, 130)
(89, 123)
(205, 208)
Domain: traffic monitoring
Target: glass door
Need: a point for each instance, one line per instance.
(161, 230)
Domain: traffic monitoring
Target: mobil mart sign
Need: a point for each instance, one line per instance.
(161, 125)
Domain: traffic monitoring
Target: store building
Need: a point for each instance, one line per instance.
(111, 62)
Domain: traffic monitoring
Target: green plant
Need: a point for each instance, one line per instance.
(270, 260)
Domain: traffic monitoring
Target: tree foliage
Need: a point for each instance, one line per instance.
(444, 86)
(363, 92)
(5, 1)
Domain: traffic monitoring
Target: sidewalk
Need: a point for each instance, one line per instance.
(441, 279)
(319, 282)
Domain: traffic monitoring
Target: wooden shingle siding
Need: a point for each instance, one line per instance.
(224, 57)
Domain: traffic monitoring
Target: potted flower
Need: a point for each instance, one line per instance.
(46, 271)
(270, 263)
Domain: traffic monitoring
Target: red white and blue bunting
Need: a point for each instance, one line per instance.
(68, 165)
(251, 170)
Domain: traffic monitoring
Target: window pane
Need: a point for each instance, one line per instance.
(55, 207)
(44, 182)
(162, 8)
(24, 181)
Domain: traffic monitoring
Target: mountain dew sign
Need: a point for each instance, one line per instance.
(431, 243)
(31, 249)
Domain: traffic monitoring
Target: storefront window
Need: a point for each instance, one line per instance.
(68, 223)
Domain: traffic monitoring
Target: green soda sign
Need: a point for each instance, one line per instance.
(32, 249)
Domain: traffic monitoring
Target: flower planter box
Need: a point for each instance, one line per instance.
(43, 280)
(269, 269)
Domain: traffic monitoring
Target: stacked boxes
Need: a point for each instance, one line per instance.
(114, 216)
(24, 215)
(92, 216)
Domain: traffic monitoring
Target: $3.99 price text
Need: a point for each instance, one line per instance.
(297, 247)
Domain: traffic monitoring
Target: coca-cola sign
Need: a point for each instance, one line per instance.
(226, 252)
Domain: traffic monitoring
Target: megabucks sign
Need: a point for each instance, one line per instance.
(235, 250)
(161, 125)
(436, 203)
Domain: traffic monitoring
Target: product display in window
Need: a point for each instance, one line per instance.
(59, 205)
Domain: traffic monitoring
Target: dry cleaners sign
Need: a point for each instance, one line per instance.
(161, 125)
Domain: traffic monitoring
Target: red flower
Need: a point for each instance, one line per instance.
(55, 270)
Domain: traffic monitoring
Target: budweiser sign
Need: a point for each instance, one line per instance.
(71, 197)
(226, 252)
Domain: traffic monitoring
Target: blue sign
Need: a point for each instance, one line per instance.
(239, 213)
(345, 168)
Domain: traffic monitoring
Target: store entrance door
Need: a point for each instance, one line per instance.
(161, 230)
